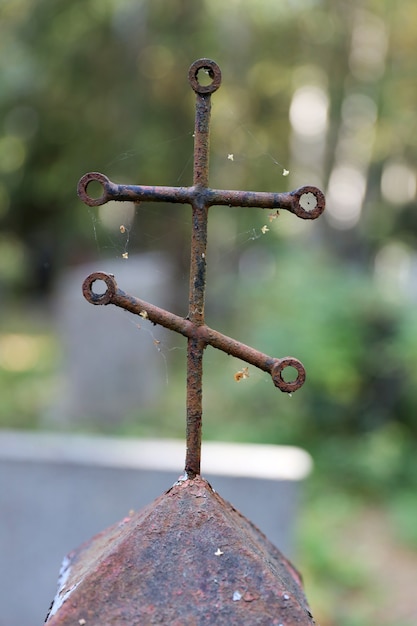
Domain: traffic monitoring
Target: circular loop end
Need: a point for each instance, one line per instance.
(212, 69)
(83, 184)
(277, 374)
(99, 298)
(310, 202)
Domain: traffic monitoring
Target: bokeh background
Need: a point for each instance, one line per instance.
(314, 92)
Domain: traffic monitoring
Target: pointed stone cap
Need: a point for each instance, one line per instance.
(187, 559)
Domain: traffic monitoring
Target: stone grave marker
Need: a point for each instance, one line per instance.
(104, 350)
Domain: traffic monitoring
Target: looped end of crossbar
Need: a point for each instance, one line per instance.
(106, 296)
(277, 371)
(85, 181)
(213, 71)
(308, 202)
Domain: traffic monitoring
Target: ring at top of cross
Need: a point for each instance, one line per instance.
(213, 71)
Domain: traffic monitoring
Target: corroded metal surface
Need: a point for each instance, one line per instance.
(307, 203)
(187, 559)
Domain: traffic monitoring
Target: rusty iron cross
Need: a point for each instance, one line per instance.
(307, 202)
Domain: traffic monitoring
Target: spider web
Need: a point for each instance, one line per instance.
(118, 239)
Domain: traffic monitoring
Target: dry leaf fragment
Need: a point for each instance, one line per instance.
(273, 216)
(241, 374)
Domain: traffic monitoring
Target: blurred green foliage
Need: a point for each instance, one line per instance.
(101, 85)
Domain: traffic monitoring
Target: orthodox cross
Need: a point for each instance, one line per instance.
(307, 203)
